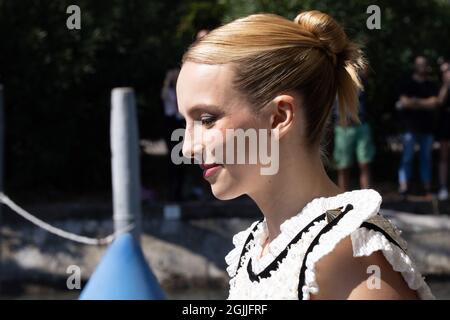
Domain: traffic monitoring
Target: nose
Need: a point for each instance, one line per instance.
(187, 150)
(192, 146)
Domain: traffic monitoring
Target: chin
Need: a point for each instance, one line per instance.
(223, 193)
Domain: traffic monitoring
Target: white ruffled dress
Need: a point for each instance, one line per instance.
(282, 282)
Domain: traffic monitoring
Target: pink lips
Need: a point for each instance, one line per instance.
(210, 169)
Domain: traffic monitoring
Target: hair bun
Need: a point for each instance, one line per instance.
(347, 56)
(325, 29)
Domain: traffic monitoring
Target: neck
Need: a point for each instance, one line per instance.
(298, 181)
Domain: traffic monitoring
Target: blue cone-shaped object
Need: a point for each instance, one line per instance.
(123, 274)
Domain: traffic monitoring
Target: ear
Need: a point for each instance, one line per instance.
(284, 109)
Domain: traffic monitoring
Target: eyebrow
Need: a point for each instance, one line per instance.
(200, 107)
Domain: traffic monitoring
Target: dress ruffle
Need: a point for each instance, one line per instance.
(232, 258)
(288, 231)
(366, 203)
(365, 242)
(281, 285)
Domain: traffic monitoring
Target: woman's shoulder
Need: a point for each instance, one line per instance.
(341, 275)
(356, 243)
(363, 256)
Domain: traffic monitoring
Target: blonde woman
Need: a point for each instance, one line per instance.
(264, 72)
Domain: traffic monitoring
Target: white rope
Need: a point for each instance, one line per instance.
(59, 232)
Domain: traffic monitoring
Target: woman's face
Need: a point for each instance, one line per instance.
(210, 105)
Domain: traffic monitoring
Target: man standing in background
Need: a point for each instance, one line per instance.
(355, 138)
(417, 104)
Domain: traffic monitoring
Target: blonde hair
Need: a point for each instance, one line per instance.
(311, 55)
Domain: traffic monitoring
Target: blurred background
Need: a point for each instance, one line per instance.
(56, 136)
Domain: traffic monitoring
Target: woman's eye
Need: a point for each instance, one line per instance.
(207, 120)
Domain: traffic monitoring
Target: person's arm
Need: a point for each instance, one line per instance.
(341, 276)
(407, 102)
(405, 99)
(418, 103)
(427, 103)
(445, 88)
(443, 94)
(438, 98)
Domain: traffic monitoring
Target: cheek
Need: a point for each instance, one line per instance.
(241, 178)
(222, 145)
(214, 142)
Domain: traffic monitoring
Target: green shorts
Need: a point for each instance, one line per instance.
(349, 139)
